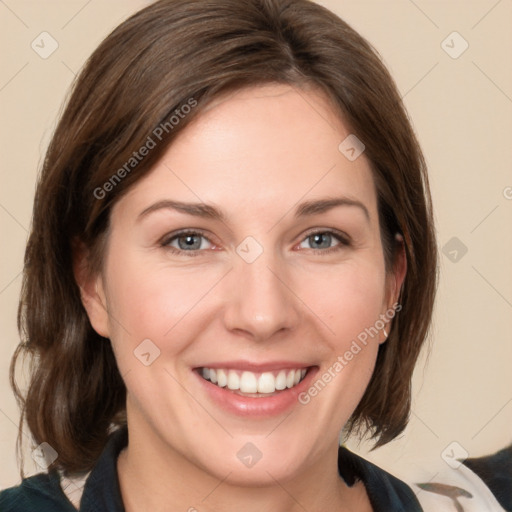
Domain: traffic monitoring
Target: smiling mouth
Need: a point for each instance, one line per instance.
(254, 384)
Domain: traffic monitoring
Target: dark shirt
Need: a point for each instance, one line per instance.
(496, 471)
(43, 493)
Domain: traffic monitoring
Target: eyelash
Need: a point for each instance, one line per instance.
(342, 238)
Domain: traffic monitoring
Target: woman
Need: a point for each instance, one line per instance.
(232, 261)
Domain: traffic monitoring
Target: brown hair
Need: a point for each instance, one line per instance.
(188, 52)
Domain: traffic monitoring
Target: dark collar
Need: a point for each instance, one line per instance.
(386, 492)
(101, 490)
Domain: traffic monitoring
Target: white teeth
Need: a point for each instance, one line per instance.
(290, 378)
(266, 383)
(222, 378)
(281, 380)
(233, 380)
(249, 382)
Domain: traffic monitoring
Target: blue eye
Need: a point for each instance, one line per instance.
(323, 241)
(188, 241)
(192, 243)
(320, 240)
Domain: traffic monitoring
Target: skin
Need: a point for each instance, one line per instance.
(254, 154)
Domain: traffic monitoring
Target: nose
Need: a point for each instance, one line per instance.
(260, 300)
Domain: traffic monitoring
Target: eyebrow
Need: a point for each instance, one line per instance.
(324, 205)
(206, 211)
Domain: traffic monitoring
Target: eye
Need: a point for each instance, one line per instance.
(187, 241)
(324, 241)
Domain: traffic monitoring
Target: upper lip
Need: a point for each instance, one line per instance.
(256, 367)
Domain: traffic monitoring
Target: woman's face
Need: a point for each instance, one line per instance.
(250, 255)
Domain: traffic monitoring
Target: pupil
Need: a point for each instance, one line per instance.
(322, 239)
(190, 242)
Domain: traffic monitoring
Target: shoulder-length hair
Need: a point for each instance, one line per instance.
(178, 53)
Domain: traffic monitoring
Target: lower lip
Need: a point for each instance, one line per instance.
(256, 406)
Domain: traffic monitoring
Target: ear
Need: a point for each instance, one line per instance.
(394, 281)
(397, 275)
(92, 290)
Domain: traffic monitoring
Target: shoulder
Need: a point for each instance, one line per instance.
(90, 491)
(496, 472)
(481, 484)
(40, 492)
(385, 491)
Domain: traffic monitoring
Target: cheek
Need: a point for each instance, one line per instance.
(349, 301)
(349, 298)
(148, 301)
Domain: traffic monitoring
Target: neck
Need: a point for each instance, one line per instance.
(155, 477)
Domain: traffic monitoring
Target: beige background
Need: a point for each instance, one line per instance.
(462, 112)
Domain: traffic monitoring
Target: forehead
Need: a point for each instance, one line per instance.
(256, 149)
